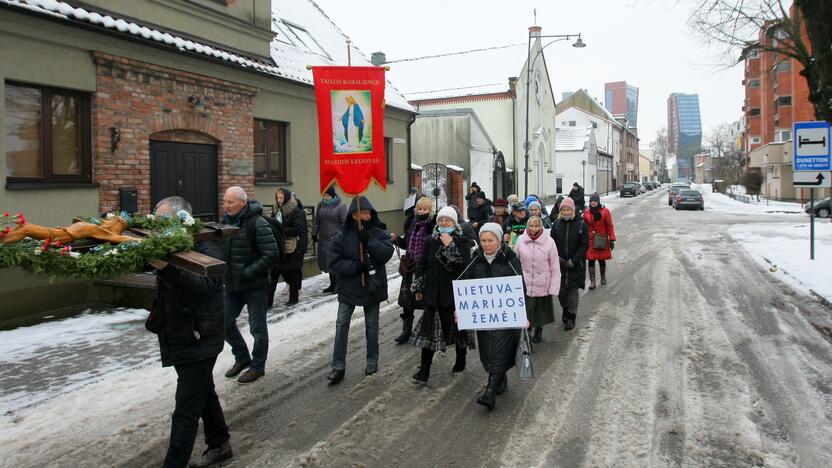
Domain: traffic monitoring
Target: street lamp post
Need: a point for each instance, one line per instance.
(583, 170)
(534, 32)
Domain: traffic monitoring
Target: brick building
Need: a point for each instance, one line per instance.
(776, 95)
(107, 104)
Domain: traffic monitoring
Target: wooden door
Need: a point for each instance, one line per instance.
(188, 170)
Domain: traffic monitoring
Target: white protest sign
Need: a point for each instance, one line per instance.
(490, 303)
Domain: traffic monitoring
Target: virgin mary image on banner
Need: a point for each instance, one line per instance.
(352, 127)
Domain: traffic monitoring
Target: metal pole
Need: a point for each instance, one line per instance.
(528, 92)
(349, 53)
(812, 224)
(583, 172)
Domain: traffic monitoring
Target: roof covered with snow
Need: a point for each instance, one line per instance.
(305, 36)
(581, 99)
(571, 138)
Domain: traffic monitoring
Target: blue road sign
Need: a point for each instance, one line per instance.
(812, 146)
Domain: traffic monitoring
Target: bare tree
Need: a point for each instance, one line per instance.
(736, 24)
(726, 159)
(659, 146)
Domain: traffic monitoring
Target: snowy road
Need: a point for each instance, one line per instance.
(692, 355)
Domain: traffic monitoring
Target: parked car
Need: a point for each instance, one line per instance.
(641, 188)
(650, 185)
(629, 189)
(689, 199)
(822, 208)
(673, 191)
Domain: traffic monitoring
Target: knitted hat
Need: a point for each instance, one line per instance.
(500, 202)
(413, 190)
(568, 202)
(481, 195)
(560, 199)
(448, 212)
(493, 228)
(331, 191)
(529, 200)
(535, 203)
(595, 197)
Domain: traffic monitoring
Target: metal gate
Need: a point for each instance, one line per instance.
(434, 184)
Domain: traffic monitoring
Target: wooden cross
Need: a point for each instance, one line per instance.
(195, 262)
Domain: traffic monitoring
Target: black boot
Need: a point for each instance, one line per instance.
(538, 335)
(424, 369)
(461, 354)
(489, 397)
(407, 330)
(503, 385)
(293, 297)
(570, 323)
(591, 277)
(332, 288)
(212, 456)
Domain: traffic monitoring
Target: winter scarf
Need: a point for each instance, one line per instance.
(539, 233)
(330, 202)
(416, 238)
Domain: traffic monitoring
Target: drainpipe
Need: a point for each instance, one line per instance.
(410, 151)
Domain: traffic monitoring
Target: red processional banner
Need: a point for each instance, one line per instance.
(351, 126)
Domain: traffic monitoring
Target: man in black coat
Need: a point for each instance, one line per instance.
(571, 236)
(246, 282)
(471, 198)
(577, 195)
(362, 281)
(187, 316)
(482, 212)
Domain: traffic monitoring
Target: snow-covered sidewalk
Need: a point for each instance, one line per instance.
(783, 249)
(719, 202)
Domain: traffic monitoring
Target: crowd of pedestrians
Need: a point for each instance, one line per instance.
(505, 237)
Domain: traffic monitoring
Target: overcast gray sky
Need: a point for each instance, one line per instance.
(646, 43)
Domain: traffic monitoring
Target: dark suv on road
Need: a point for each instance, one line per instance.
(629, 188)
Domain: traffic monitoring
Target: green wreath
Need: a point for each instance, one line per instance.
(168, 235)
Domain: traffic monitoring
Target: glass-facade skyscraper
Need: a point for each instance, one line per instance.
(621, 98)
(684, 130)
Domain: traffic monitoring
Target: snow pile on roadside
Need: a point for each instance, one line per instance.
(786, 247)
(715, 201)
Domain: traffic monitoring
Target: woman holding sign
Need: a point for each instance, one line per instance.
(498, 348)
(444, 256)
(541, 274)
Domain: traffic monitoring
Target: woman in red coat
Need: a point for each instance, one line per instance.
(599, 220)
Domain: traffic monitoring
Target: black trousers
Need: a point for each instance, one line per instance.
(195, 399)
(293, 278)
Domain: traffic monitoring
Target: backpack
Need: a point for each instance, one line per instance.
(277, 233)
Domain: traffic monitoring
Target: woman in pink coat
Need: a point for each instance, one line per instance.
(541, 274)
(599, 220)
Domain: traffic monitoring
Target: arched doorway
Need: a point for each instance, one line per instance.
(184, 163)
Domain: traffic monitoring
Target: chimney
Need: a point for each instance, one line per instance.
(378, 59)
(512, 85)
